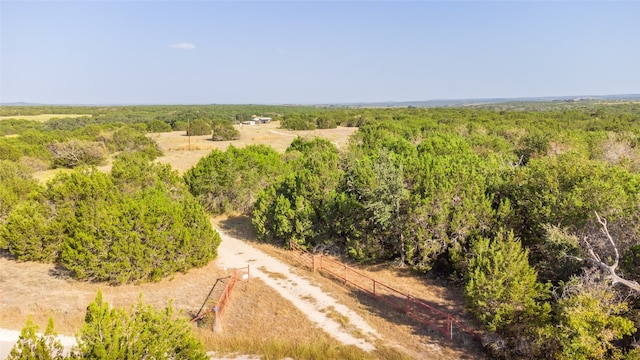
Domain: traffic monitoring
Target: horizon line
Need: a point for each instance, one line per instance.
(460, 100)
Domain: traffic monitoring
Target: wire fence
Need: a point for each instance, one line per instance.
(238, 274)
(441, 321)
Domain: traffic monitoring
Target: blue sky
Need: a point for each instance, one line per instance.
(204, 52)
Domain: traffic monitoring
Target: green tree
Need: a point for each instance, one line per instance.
(31, 346)
(223, 130)
(136, 333)
(591, 318)
(565, 190)
(297, 207)
(199, 127)
(231, 180)
(502, 291)
(450, 202)
(157, 126)
(16, 183)
(376, 186)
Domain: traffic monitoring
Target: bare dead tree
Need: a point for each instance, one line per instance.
(77, 152)
(610, 270)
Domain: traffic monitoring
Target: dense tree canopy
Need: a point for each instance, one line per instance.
(231, 180)
(137, 223)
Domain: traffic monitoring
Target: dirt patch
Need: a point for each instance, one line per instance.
(30, 288)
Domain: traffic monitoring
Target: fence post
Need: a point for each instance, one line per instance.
(217, 321)
(450, 326)
(374, 287)
(248, 274)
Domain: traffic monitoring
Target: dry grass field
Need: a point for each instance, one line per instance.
(42, 117)
(182, 151)
(258, 320)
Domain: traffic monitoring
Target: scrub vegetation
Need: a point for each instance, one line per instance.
(531, 210)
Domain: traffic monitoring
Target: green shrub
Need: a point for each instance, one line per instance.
(230, 181)
(139, 332)
(326, 123)
(14, 148)
(296, 207)
(32, 233)
(16, 183)
(157, 126)
(223, 131)
(199, 127)
(140, 224)
(31, 346)
(297, 123)
(180, 126)
(130, 139)
(145, 237)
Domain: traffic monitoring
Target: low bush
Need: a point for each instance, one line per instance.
(223, 130)
(72, 153)
(199, 127)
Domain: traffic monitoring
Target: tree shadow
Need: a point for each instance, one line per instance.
(239, 227)
(60, 272)
(381, 306)
(5, 254)
(452, 288)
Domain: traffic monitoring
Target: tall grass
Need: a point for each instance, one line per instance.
(316, 347)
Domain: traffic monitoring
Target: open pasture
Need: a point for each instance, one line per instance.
(42, 117)
(183, 152)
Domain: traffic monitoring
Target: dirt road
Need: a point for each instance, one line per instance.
(310, 299)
